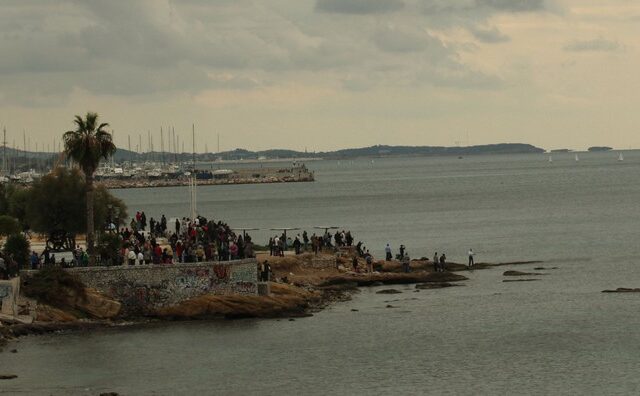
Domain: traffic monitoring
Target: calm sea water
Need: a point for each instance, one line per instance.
(558, 335)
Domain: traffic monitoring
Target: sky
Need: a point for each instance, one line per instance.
(324, 74)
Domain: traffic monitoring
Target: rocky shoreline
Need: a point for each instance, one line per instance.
(300, 290)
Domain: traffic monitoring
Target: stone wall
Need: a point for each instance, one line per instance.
(9, 292)
(143, 288)
(323, 262)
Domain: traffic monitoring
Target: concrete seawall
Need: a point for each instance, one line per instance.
(145, 288)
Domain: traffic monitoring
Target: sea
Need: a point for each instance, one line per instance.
(557, 335)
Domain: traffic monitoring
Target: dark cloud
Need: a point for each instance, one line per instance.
(512, 5)
(359, 6)
(480, 8)
(595, 45)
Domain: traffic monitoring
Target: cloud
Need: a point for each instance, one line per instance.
(490, 36)
(359, 6)
(147, 47)
(393, 39)
(595, 45)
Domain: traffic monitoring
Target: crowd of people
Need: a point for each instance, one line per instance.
(278, 244)
(187, 241)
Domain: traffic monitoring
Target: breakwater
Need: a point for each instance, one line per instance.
(217, 177)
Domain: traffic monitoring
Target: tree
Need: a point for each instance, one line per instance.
(17, 246)
(8, 225)
(56, 202)
(87, 145)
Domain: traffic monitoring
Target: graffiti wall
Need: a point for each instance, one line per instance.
(143, 288)
(9, 291)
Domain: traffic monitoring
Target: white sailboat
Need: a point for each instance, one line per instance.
(620, 157)
(550, 158)
(577, 158)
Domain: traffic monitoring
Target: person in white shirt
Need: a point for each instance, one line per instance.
(140, 257)
(132, 257)
(471, 263)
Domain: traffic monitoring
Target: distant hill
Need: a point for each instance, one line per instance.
(372, 151)
(21, 158)
(600, 148)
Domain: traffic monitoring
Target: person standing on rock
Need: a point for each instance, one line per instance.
(305, 239)
(369, 259)
(354, 263)
(387, 251)
(471, 262)
(443, 262)
(436, 266)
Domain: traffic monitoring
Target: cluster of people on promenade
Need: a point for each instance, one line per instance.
(188, 240)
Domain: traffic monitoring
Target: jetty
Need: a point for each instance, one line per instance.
(157, 178)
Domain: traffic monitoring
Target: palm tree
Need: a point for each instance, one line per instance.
(86, 146)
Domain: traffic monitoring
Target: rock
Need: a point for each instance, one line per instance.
(109, 394)
(622, 290)
(14, 351)
(520, 280)
(355, 310)
(8, 377)
(440, 285)
(388, 291)
(390, 306)
(518, 273)
(291, 319)
(377, 284)
(98, 306)
(543, 268)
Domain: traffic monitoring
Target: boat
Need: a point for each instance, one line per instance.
(577, 158)
(621, 157)
(550, 159)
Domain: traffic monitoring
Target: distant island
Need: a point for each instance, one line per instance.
(599, 148)
(563, 150)
(372, 151)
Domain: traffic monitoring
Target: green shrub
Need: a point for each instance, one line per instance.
(52, 286)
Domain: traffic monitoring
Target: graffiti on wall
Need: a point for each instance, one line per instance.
(144, 289)
(5, 290)
(245, 274)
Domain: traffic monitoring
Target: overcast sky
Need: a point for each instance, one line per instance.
(325, 74)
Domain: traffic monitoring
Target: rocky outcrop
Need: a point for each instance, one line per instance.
(622, 290)
(285, 300)
(393, 278)
(97, 305)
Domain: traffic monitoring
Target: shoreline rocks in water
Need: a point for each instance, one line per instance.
(520, 280)
(307, 288)
(389, 291)
(622, 290)
(519, 273)
(439, 285)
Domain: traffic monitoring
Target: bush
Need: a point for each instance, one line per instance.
(52, 286)
(17, 246)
